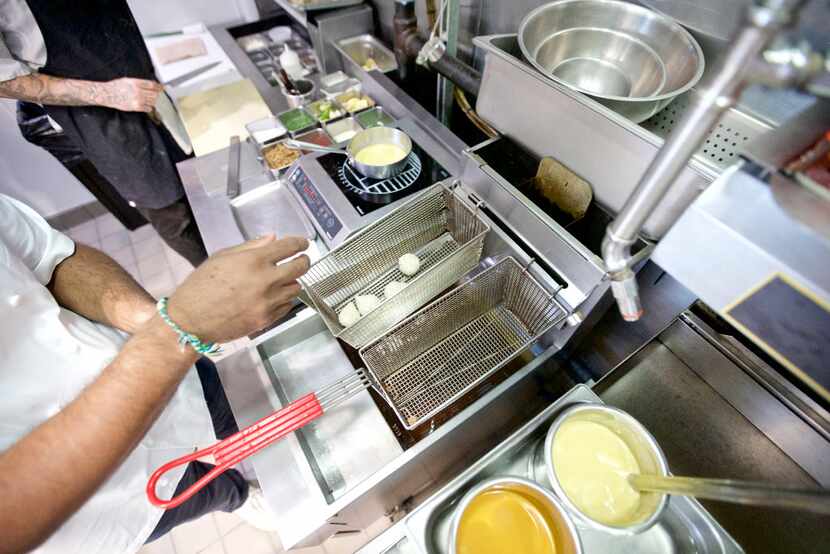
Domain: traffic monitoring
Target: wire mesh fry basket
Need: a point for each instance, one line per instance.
(435, 356)
(445, 233)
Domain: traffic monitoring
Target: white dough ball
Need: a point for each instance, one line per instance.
(348, 315)
(366, 303)
(392, 288)
(409, 264)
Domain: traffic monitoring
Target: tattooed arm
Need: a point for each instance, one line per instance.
(125, 94)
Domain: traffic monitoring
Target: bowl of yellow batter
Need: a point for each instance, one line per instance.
(589, 451)
(511, 514)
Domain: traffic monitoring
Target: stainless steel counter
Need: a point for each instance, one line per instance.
(346, 469)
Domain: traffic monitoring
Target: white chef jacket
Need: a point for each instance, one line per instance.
(49, 354)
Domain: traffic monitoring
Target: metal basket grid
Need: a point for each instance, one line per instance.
(445, 233)
(438, 354)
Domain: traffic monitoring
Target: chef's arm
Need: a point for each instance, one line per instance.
(92, 284)
(47, 475)
(125, 94)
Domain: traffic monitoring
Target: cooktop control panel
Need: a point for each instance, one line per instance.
(314, 201)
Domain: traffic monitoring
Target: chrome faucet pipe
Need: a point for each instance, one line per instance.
(764, 20)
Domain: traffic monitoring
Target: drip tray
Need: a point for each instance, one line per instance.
(724, 143)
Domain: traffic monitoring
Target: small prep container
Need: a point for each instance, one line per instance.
(355, 101)
(265, 131)
(316, 136)
(374, 117)
(326, 110)
(276, 157)
(337, 83)
(297, 121)
(343, 130)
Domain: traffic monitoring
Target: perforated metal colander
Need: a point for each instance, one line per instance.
(435, 356)
(446, 234)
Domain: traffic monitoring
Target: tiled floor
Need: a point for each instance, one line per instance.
(141, 252)
(159, 270)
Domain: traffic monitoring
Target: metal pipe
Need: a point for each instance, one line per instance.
(764, 20)
(409, 44)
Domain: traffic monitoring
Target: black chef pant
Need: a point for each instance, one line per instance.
(176, 225)
(225, 493)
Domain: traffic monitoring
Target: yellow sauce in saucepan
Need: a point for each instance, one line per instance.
(502, 521)
(380, 154)
(592, 464)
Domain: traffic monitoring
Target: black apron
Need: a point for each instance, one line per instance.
(98, 40)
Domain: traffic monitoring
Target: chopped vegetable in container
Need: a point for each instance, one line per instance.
(296, 120)
(375, 117)
(343, 130)
(279, 156)
(355, 101)
(326, 110)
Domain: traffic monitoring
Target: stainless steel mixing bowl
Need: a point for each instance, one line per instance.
(633, 60)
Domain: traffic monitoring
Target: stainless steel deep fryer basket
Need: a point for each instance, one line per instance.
(445, 233)
(432, 358)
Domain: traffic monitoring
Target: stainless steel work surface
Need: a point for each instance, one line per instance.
(684, 528)
(687, 394)
(268, 209)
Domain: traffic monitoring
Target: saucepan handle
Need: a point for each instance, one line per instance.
(300, 145)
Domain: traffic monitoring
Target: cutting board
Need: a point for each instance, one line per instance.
(213, 116)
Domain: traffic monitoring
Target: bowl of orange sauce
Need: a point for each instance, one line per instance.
(511, 514)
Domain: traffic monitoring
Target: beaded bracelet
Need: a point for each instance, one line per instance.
(206, 348)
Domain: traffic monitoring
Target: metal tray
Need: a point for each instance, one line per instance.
(684, 528)
(363, 47)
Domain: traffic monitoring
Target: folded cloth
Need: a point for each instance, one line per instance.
(187, 48)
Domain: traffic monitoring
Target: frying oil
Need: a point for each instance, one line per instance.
(504, 521)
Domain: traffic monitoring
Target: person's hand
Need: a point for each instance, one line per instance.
(131, 95)
(240, 290)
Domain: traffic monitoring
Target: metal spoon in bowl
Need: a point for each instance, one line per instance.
(738, 492)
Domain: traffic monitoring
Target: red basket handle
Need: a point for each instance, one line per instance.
(239, 446)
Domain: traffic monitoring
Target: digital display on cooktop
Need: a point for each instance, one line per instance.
(368, 195)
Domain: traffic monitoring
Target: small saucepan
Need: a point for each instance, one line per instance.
(375, 136)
